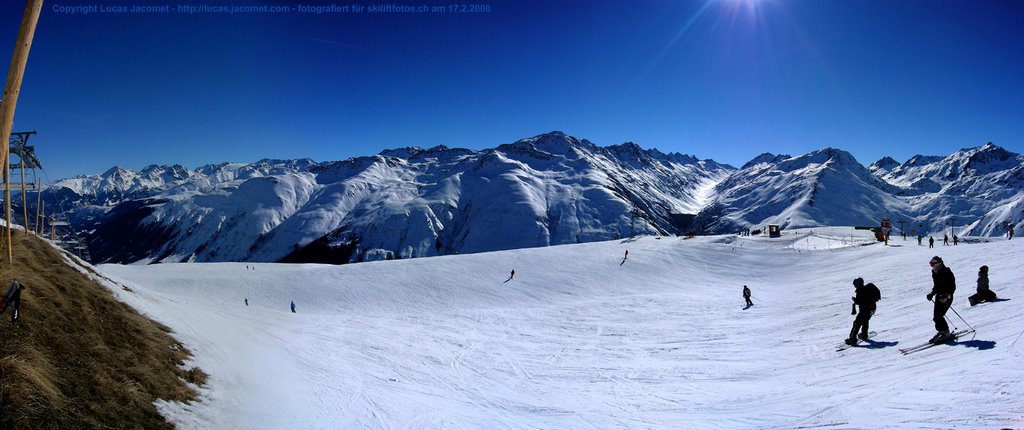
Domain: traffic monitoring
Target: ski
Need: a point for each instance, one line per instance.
(845, 346)
(955, 335)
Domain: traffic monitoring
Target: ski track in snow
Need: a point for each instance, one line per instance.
(580, 339)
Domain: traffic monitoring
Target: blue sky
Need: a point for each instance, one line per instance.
(725, 80)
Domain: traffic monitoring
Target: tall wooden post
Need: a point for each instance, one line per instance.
(39, 200)
(12, 88)
(42, 220)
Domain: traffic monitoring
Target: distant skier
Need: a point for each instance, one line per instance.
(945, 239)
(942, 292)
(512, 275)
(12, 299)
(956, 240)
(293, 307)
(746, 296)
(931, 242)
(867, 297)
(919, 237)
(984, 294)
(626, 255)
(247, 301)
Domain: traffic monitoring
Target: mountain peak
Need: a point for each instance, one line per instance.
(884, 164)
(116, 170)
(766, 157)
(989, 158)
(546, 145)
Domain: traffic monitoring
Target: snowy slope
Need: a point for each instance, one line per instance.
(584, 339)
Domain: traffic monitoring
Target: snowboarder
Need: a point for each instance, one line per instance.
(931, 242)
(12, 299)
(746, 296)
(293, 307)
(956, 240)
(984, 294)
(942, 292)
(867, 297)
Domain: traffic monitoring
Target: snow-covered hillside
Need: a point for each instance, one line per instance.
(827, 187)
(582, 338)
(545, 190)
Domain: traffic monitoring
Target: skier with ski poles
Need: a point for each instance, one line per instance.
(942, 291)
(746, 296)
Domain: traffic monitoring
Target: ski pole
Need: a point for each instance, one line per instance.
(961, 318)
(950, 322)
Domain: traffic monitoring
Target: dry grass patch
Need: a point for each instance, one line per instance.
(78, 358)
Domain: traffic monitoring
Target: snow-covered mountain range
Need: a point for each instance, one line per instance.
(545, 190)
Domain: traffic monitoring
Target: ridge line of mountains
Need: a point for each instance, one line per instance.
(549, 189)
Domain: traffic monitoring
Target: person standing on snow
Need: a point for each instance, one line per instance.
(942, 292)
(293, 307)
(931, 242)
(867, 297)
(746, 296)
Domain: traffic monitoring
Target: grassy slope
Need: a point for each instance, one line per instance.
(78, 358)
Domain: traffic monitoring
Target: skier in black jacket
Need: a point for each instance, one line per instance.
(867, 296)
(942, 292)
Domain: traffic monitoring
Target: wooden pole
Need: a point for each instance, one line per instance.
(42, 220)
(39, 199)
(24, 198)
(12, 88)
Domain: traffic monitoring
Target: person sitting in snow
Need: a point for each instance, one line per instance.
(984, 294)
(867, 297)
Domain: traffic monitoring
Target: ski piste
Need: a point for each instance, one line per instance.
(955, 335)
(843, 346)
